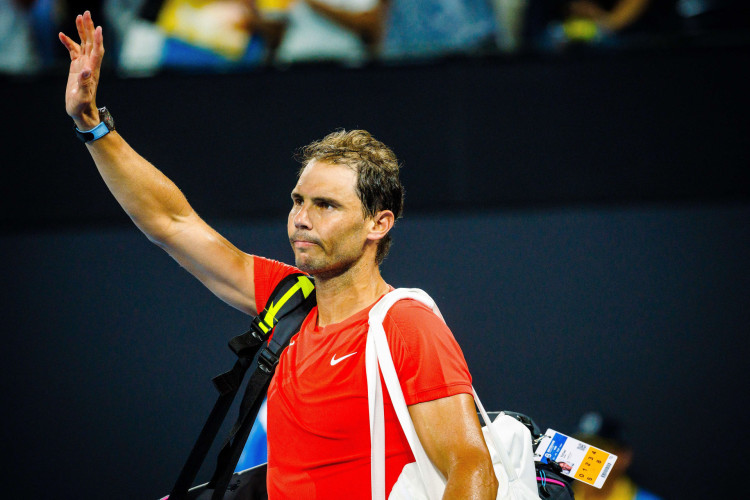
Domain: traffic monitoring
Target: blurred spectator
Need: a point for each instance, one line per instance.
(29, 28)
(556, 23)
(705, 16)
(223, 27)
(195, 34)
(607, 434)
(331, 30)
(18, 54)
(509, 16)
(223, 35)
(430, 28)
(46, 23)
(610, 16)
(219, 25)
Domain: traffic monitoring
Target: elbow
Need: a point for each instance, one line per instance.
(485, 477)
(156, 234)
(473, 479)
(491, 484)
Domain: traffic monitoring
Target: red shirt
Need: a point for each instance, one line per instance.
(318, 427)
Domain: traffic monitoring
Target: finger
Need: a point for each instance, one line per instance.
(88, 24)
(97, 51)
(79, 27)
(73, 48)
(99, 41)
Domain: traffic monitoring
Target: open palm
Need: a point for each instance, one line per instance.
(85, 65)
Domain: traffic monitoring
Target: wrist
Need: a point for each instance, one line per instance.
(88, 119)
(105, 124)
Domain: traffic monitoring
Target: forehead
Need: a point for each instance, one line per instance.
(320, 178)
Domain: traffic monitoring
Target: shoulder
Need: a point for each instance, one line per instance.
(410, 315)
(406, 309)
(267, 274)
(427, 357)
(414, 327)
(262, 264)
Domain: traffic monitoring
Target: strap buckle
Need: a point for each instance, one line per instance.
(267, 360)
(246, 344)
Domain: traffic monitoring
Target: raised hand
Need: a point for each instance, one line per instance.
(85, 65)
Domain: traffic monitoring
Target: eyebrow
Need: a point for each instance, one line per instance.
(329, 201)
(318, 199)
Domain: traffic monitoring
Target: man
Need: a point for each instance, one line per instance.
(344, 204)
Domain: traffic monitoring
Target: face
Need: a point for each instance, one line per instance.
(326, 226)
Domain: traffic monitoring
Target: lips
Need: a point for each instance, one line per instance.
(303, 242)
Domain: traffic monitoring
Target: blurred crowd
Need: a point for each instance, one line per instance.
(608, 433)
(146, 36)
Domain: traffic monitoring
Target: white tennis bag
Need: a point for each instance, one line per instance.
(508, 440)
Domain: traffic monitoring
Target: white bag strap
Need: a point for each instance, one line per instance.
(377, 352)
(374, 355)
(377, 424)
(496, 441)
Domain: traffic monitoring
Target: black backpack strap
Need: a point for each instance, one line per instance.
(289, 304)
(265, 363)
(206, 438)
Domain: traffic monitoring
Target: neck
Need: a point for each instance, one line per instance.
(342, 295)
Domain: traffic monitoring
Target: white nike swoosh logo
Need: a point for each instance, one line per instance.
(342, 358)
(292, 342)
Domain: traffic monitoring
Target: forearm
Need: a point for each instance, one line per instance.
(151, 200)
(449, 430)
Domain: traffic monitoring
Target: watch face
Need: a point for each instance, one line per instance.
(106, 117)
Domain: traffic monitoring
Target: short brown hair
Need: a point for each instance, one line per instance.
(378, 184)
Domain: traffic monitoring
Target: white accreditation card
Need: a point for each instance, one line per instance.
(577, 459)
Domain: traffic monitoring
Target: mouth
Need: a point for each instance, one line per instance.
(303, 242)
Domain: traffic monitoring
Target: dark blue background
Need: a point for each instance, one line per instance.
(582, 223)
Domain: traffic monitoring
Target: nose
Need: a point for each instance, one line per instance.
(300, 217)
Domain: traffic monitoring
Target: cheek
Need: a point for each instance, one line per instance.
(351, 237)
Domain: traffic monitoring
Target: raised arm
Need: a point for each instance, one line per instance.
(152, 201)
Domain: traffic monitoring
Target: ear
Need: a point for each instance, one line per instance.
(380, 224)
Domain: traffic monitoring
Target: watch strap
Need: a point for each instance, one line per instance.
(95, 133)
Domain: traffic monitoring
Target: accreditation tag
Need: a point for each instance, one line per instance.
(577, 459)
